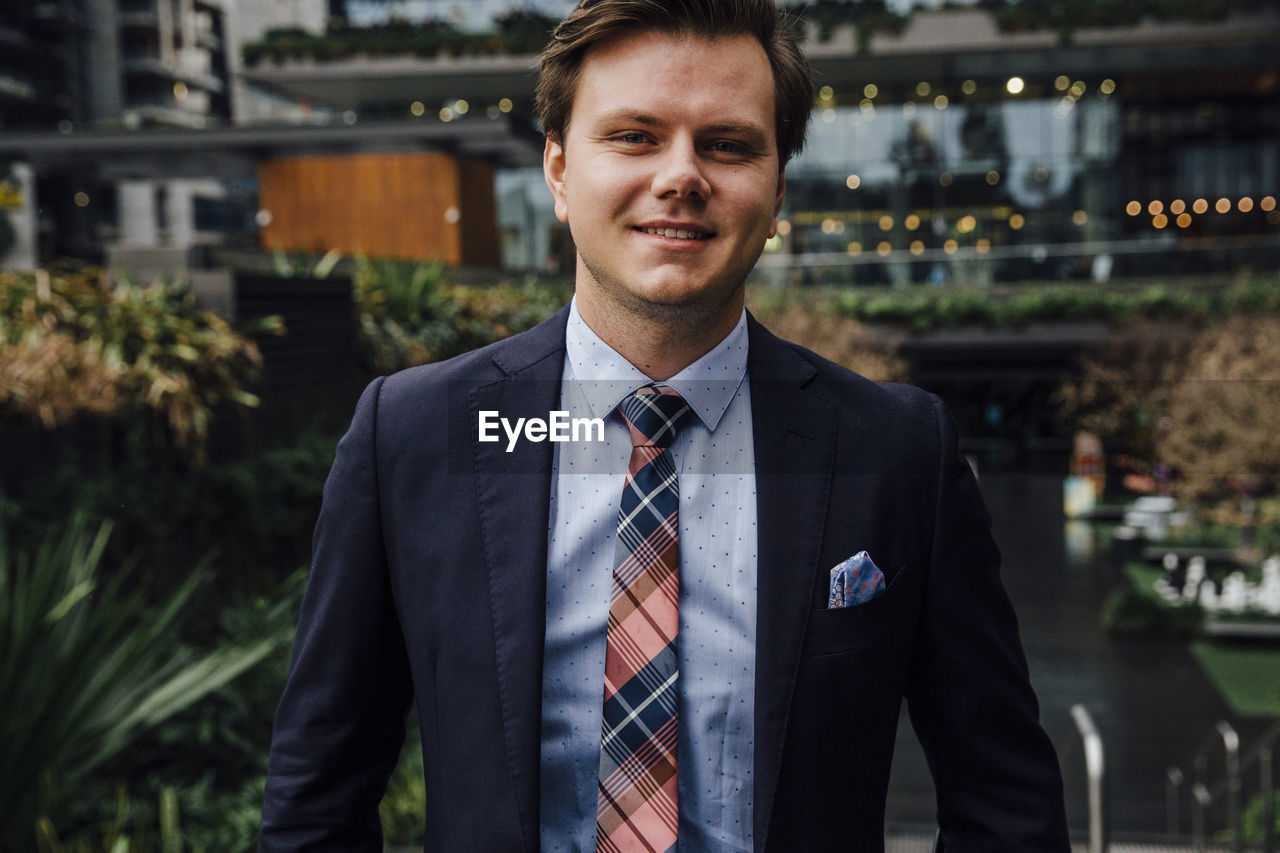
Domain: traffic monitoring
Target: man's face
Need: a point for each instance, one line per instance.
(668, 176)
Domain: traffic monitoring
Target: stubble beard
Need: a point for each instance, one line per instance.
(699, 312)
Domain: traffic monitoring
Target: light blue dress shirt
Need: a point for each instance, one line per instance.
(715, 458)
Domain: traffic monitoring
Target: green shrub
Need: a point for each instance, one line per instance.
(254, 514)
(1253, 822)
(404, 807)
(919, 309)
(1131, 613)
(73, 343)
(517, 33)
(87, 667)
(410, 314)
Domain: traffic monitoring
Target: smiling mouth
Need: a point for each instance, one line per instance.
(677, 233)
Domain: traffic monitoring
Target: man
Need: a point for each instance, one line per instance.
(695, 630)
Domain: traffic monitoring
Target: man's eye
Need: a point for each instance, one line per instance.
(633, 138)
(725, 146)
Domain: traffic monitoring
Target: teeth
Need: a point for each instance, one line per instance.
(678, 233)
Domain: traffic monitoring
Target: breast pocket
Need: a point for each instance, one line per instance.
(847, 629)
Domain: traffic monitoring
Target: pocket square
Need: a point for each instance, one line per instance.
(855, 581)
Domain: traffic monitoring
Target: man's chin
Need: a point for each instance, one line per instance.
(693, 308)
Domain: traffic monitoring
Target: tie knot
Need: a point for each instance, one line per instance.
(653, 415)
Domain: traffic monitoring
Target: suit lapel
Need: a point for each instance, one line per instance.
(513, 491)
(794, 448)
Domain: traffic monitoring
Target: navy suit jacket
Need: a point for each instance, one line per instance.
(428, 582)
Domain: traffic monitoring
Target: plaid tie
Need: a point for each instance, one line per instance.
(636, 804)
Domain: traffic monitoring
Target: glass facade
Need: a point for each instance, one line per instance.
(1083, 181)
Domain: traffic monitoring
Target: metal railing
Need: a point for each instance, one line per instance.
(1095, 766)
(1230, 787)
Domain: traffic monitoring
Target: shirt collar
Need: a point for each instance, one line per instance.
(606, 378)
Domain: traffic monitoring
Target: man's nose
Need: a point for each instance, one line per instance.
(680, 172)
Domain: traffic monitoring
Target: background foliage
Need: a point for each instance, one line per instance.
(127, 393)
(1198, 399)
(75, 343)
(411, 314)
(88, 664)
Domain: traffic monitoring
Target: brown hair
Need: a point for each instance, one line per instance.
(593, 21)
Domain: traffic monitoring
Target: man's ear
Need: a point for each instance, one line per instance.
(553, 171)
(777, 202)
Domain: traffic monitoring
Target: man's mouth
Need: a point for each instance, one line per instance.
(677, 233)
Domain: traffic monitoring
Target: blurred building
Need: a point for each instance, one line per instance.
(951, 150)
(956, 147)
(464, 14)
(73, 67)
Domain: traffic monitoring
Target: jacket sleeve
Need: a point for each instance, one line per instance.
(340, 723)
(970, 699)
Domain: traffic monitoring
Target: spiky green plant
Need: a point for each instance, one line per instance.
(87, 664)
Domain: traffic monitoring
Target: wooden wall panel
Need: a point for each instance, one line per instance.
(382, 204)
(480, 215)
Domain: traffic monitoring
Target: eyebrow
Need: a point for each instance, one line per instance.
(752, 133)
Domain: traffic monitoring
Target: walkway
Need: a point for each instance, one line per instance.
(1149, 699)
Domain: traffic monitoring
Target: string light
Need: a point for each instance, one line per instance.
(1155, 207)
(1268, 203)
(968, 87)
(1133, 208)
(1106, 87)
(912, 222)
(922, 89)
(1014, 85)
(1200, 205)
(853, 182)
(983, 246)
(950, 247)
(1177, 206)
(417, 108)
(886, 223)
(1160, 220)
(1080, 217)
(917, 247)
(854, 248)
(1017, 221)
(1223, 205)
(1245, 204)
(993, 178)
(1184, 220)
(870, 90)
(883, 248)
(505, 105)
